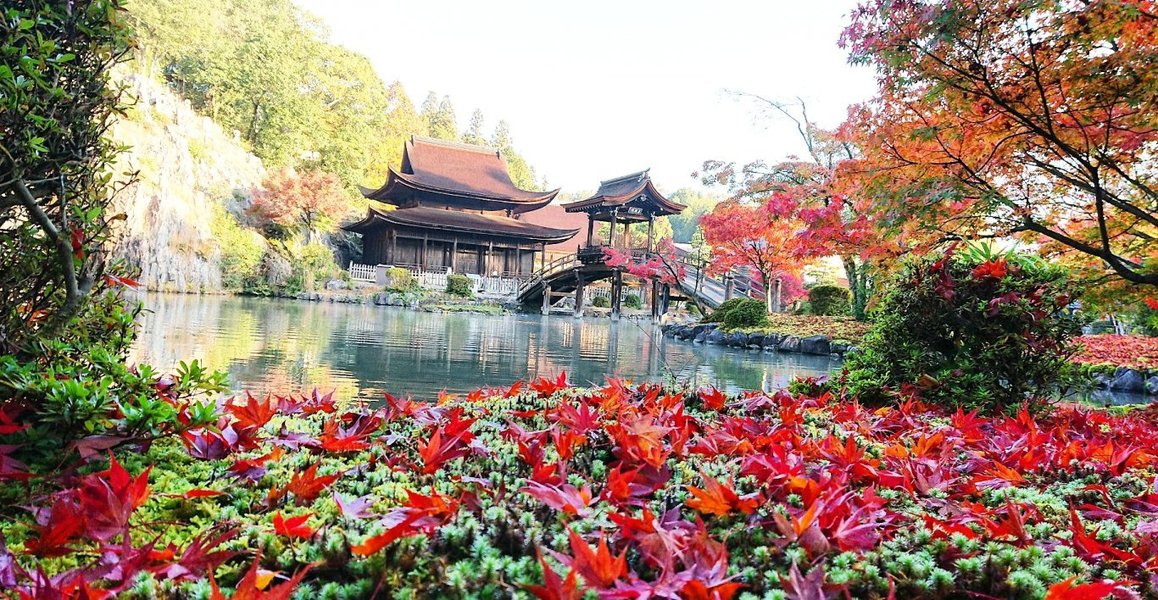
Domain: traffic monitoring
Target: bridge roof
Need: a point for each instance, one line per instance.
(455, 174)
(422, 217)
(636, 190)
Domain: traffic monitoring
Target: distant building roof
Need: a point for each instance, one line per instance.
(553, 215)
(634, 191)
(455, 174)
(424, 217)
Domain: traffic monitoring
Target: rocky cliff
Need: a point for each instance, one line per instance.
(190, 172)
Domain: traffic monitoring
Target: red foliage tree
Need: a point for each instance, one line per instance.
(1036, 119)
(818, 193)
(757, 237)
(313, 201)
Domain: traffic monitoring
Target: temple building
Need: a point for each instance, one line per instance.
(456, 209)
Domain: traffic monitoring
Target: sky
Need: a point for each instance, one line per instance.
(597, 89)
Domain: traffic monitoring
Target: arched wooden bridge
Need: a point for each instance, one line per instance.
(569, 275)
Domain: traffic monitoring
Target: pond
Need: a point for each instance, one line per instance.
(290, 346)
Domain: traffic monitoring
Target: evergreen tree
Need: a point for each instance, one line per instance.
(474, 133)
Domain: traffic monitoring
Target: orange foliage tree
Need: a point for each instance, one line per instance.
(1009, 118)
(313, 200)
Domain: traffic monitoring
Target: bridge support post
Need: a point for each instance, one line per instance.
(616, 293)
(655, 303)
(729, 286)
(665, 303)
(547, 300)
(579, 293)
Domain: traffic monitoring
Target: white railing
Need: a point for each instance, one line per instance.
(366, 273)
(430, 280)
(496, 286)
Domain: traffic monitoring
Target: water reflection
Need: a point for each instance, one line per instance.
(284, 345)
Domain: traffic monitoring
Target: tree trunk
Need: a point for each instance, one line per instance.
(857, 275)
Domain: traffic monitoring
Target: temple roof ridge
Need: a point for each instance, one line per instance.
(455, 144)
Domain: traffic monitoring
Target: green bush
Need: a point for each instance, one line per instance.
(459, 285)
(632, 301)
(400, 280)
(829, 300)
(985, 331)
(601, 302)
(241, 252)
(717, 315)
(746, 313)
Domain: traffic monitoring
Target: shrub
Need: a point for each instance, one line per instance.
(459, 285)
(829, 300)
(601, 302)
(746, 313)
(978, 333)
(241, 252)
(632, 301)
(717, 315)
(400, 280)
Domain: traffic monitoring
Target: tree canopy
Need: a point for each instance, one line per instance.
(1011, 118)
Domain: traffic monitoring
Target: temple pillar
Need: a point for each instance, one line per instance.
(651, 233)
(616, 292)
(454, 256)
(547, 300)
(614, 222)
(590, 229)
(393, 258)
(422, 264)
(578, 293)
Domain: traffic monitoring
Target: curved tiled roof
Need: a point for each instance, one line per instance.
(423, 217)
(617, 192)
(463, 172)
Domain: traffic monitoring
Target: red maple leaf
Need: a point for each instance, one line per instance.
(546, 387)
(1067, 590)
(719, 499)
(64, 524)
(402, 529)
(250, 587)
(253, 413)
(108, 498)
(566, 497)
(293, 527)
(555, 588)
(306, 485)
(599, 567)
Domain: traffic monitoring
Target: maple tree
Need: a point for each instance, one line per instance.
(1009, 118)
(753, 236)
(313, 201)
(816, 196)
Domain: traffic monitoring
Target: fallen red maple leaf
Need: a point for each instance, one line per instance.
(293, 527)
(599, 567)
(719, 499)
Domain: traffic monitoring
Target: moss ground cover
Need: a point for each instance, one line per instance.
(838, 328)
(626, 491)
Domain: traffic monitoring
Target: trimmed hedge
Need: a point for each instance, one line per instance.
(746, 313)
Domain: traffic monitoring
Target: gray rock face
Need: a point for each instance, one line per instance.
(700, 338)
(772, 341)
(190, 171)
(789, 344)
(838, 349)
(716, 337)
(1128, 380)
(816, 344)
(756, 340)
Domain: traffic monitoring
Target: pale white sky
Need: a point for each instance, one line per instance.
(597, 89)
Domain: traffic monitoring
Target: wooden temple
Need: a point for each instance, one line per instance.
(627, 200)
(456, 209)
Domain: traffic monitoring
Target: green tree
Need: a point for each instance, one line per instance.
(683, 225)
(56, 103)
(439, 117)
(522, 173)
(474, 132)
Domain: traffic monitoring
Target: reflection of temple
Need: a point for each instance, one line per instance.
(456, 209)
